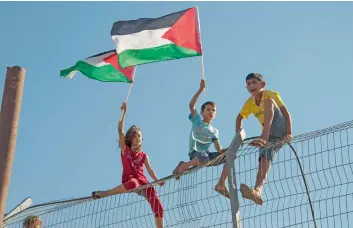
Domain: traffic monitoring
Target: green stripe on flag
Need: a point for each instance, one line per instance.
(166, 52)
(106, 73)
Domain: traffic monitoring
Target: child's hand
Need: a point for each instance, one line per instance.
(161, 183)
(202, 84)
(259, 142)
(123, 107)
(286, 139)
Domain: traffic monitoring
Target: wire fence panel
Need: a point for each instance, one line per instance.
(325, 157)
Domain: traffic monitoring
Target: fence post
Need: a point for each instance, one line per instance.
(230, 158)
(10, 114)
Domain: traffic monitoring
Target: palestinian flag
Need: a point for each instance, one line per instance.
(103, 67)
(147, 40)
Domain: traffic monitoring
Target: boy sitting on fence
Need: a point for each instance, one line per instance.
(268, 107)
(202, 135)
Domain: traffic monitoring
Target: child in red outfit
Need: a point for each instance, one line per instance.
(133, 159)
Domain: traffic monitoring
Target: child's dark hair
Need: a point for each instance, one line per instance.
(207, 103)
(256, 76)
(130, 132)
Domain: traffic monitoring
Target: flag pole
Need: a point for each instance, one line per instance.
(133, 79)
(127, 97)
(128, 92)
(202, 60)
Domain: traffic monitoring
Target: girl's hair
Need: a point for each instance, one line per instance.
(129, 134)
(30, 219)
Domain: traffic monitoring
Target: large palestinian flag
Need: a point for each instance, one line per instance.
(147, 40)
(103, 67)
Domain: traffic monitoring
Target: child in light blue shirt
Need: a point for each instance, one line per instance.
(202, 135)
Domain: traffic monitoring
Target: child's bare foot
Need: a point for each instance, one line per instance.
(251, 194)
(97, 194)
(176, 171)
(222, 189)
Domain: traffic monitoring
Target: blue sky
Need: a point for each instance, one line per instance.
(67, 146)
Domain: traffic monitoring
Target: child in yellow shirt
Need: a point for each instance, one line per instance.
(268, 107)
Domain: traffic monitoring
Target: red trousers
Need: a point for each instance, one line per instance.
(149, 193)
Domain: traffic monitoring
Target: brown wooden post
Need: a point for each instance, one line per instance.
(10, 114)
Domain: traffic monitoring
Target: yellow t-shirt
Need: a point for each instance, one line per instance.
(250, 106)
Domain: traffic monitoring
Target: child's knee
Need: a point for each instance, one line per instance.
(131, 184)
(159, 214)
(195, 162)
(201, 162)
(201, 159)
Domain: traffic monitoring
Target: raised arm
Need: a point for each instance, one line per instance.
(121, 128)
(195, 97)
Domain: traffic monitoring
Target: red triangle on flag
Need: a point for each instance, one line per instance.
(114, 61)
(185, 31)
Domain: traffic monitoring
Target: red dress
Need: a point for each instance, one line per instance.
(133, 165)
(134, 177)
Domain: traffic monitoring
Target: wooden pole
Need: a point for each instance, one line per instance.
(202, 60)
(10, 115)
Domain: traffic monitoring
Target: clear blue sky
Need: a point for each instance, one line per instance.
(67, 135)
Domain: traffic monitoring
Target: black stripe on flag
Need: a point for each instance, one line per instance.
(134, 26)
(103, 53)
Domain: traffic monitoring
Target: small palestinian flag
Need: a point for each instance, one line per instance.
(102, 67)
(147, 40)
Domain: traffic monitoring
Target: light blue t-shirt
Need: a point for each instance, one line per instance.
(202, 134)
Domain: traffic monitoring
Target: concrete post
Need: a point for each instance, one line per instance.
(10, 114)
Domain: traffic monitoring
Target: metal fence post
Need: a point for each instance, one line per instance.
(230, 158)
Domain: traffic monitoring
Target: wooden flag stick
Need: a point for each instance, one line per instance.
(128, 93)
(202, 60)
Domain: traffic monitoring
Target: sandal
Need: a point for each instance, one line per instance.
(95, 195)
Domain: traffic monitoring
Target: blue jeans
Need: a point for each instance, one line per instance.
(204, 157)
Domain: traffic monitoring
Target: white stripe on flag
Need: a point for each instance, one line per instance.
(98, 61)
(141, 40)
(71, 75)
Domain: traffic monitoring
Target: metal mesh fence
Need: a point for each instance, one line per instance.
(326, 160)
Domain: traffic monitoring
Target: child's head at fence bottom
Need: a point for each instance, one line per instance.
(32, 221)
